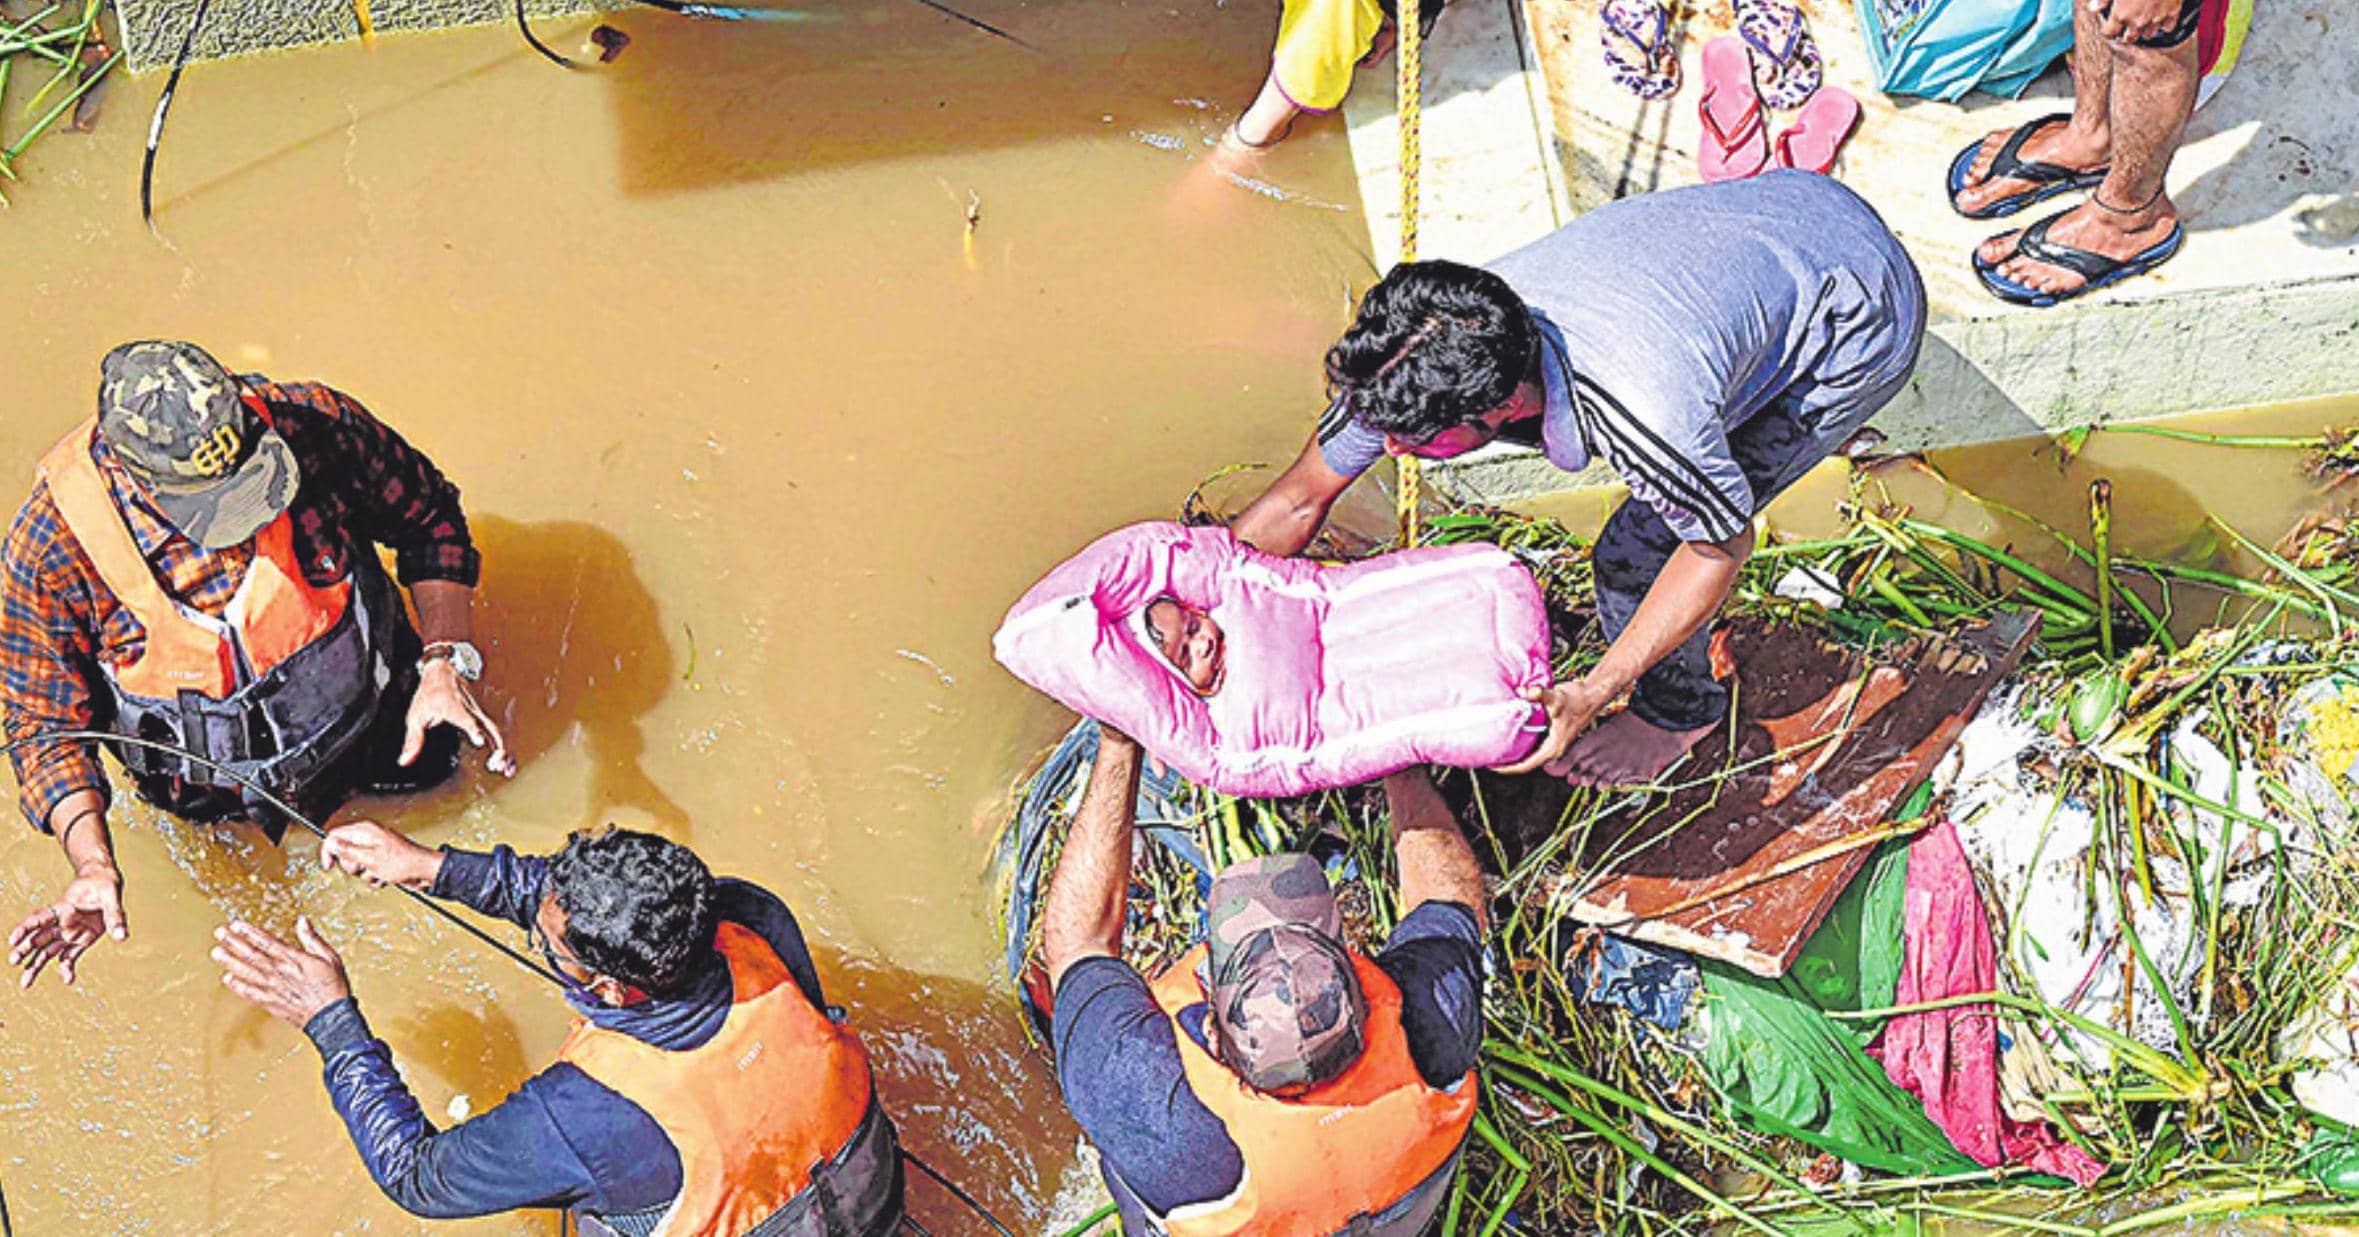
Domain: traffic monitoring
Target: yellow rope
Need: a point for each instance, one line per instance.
(1411, 49)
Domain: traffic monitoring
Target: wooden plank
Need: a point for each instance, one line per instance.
(1828, 743)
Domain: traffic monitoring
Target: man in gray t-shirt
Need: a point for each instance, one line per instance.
(1712, 344)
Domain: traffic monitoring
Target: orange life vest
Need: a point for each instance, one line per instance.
(753, 1110)
(1350, 1147)
(275, 613)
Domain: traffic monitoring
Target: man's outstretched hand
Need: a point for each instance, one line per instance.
(90, 908)
(1571, 706)
(380, 856)
(292, 983)
(444, 700)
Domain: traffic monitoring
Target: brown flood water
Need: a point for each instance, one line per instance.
(758, 448)
(759, 445)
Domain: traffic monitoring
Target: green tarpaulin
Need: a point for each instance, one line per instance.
(1783, 1067)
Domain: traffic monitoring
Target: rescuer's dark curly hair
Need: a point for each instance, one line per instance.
(638, 907)
(1436, 344)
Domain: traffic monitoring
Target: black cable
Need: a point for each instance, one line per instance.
(289, 811)
(554, 56)
(155, 124)
(959, 1194)
(977, 22)
(7, 1229)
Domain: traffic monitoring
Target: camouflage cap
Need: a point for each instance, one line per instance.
(1284, 997)
(180, 425)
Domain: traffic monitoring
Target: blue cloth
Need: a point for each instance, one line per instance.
(1944, 49)
(1118, 1060)
(1657, 986)
(562, 1140)
(1671, 318)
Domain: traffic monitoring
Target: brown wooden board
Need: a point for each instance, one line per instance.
(1744, 868)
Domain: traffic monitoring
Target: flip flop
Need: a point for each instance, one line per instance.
(2095, 269)
(1644, 58)
(2047, 179)
(1818, 132)
(1735, 144)
(1786, 66)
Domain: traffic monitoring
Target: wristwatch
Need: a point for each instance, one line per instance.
(463, 657)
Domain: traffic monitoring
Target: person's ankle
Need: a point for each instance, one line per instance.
(2115, 210)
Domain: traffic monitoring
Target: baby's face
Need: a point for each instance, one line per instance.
(1191, 640)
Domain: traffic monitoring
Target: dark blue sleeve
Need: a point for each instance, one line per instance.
(1436, 957)
(502, 884)
(746, 903)
(1118, 1064)
(520, 1154)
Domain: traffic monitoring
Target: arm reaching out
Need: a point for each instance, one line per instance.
(1685, 596)
(1436, 864)
(1088, 892)
(1289, 514)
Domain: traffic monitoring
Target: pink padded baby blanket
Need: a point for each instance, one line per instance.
(1335, 675)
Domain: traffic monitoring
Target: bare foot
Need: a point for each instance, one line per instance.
(2088, 226)
(1624, 750)
(2063, 145)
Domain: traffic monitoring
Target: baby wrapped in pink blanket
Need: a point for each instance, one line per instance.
(1265, 676)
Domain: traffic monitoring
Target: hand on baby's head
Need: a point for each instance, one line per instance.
(1189, 641)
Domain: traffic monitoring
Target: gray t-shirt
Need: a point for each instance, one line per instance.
(1670, 318)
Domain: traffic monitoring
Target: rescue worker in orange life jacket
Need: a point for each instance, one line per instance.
(1274, 1081)
(200, 567)
(707, 1089)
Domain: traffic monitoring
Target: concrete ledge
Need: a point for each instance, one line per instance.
(1992, 378)
(152, 29)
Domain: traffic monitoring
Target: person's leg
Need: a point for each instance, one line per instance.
(1268, 121)
(2153, 96)
(1677, 701)
(2086, 141)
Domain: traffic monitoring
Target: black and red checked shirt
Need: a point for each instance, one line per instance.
(362, 486)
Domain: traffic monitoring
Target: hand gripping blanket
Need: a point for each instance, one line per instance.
(1334, 675)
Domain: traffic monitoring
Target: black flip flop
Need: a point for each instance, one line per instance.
(2047, 179)
(2095, 269)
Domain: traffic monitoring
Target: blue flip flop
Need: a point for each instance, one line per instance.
(2095, 269)
(2047, 179)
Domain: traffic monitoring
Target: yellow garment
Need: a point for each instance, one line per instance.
(1319, 44)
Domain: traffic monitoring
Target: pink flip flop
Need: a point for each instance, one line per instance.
(1819, 131)
(1735, 145)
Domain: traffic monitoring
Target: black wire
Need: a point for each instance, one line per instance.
(6, 1229)
(914, 1226)
(155, 125)
(978, 23)
(299, 818)
(959, 1194)
(555, 57)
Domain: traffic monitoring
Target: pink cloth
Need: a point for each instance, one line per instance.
(1335, 675)
(1949, 1058)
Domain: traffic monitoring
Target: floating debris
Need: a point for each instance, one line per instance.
(929, 663)
(610, 43)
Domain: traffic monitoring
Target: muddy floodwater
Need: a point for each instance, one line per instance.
(759, 438)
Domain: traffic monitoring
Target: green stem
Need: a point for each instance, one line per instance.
(1672, 1122)
(2218, 1204)
(1630, 1146)
(2155, 1065)
(2272, 441)
(1090, 1225)
(63, 104)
